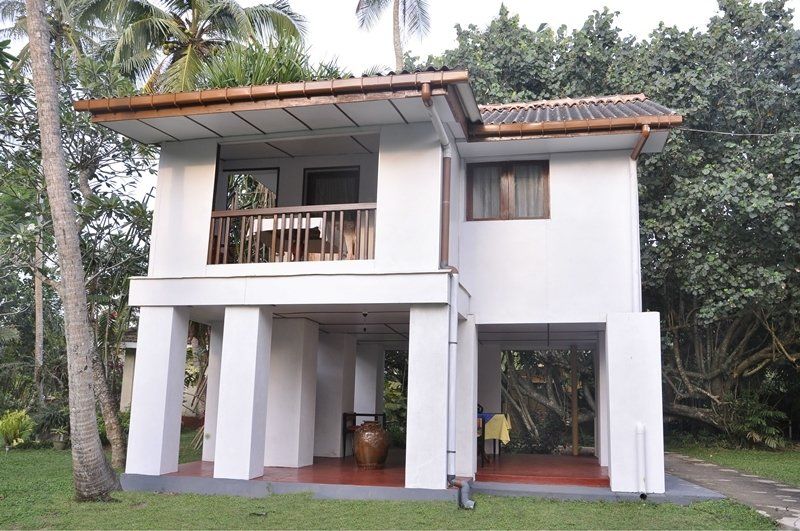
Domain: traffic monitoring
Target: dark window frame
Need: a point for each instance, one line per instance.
(220, 174)
(357, 168)
(507, 189)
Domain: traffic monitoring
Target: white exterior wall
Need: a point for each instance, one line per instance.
(185, 190)
(336, 355)
(368, 396)
(409, 205)
(155, 430)
(426, 420)
(633, 366)
(292, 394)
(489, 381)
(577, 266)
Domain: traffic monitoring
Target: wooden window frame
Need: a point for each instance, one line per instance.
(507, 189)
(329, 168)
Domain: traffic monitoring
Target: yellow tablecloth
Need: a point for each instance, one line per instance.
(498, 428)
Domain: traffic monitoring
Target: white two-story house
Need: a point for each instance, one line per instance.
(389, 212)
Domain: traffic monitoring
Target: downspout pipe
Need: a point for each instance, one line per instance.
(444, 263)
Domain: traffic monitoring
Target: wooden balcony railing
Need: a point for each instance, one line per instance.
(293, 234)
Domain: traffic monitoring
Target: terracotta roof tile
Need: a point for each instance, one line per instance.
(571, 109)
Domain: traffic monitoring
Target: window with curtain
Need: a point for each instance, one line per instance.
(513, 190)
(330, 186)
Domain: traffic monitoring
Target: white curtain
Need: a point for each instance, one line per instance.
(485, 192)
(529, 191)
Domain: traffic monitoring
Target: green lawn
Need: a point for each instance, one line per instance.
(778, 465)
(35, 492)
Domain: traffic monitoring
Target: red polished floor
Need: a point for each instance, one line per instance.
(545, 469)
(327, 470)
(507, 468)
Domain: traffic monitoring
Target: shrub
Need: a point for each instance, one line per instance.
(15, 427)
(49, 418)
(749, 421)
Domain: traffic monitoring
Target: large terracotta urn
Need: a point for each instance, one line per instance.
(371, 445)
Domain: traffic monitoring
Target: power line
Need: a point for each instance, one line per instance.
(727, 133)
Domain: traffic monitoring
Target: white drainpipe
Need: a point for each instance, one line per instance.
(452, 336)
(641, 461)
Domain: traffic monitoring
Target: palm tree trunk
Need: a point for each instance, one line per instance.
(398, 40)
(109, 408)
(38, 316)
(92, 475)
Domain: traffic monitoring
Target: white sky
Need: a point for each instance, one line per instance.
(334, 31)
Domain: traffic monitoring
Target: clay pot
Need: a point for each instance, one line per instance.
(371, 445)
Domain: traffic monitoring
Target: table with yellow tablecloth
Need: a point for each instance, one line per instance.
(496, 426)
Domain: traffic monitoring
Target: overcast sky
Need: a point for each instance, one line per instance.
(334, 32)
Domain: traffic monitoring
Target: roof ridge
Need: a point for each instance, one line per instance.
(614, 98)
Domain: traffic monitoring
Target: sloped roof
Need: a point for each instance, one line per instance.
(158, 117)
(574, 115)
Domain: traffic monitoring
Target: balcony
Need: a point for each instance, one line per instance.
(316, 233)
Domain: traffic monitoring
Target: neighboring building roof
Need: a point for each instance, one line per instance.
(356, 101)
(602, 113)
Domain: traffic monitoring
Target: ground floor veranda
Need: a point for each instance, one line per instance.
(280, 378)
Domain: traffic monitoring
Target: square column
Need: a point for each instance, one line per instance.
(292, 394)
(467, 398)
(242, 409)
(155, 430)
(601, 400)
(633, 365)
(336, 361)
(212, 391)
(369, 378)
(426, 425)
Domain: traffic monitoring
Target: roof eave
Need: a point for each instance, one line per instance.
(527, 130)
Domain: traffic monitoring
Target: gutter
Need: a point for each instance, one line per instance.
(528, 129)
(278, 91)
(640, 142)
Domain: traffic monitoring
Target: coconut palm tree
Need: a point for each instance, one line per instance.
(92, 475)
(167, 46)
(409, 18)
(75, 25)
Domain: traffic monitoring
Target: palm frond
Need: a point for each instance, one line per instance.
(369, 11)
(181, 75)
(414, 17)
(276, 20)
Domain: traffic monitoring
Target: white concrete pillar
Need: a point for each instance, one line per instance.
(489, 378)
(212, 391)
(126, 391)
(369, 378)
(292, 394)
(601, 400)
(155, 429)
(243, 383)
(336, 362)
(426, 426)
(467, 398)
(633, 352)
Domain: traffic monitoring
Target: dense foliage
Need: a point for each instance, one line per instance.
(719, 207)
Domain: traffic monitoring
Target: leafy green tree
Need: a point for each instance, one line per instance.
(719, 206)
(284, 60)
(168, 46)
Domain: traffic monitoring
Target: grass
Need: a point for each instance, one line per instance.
(783, 465)
(36, 492)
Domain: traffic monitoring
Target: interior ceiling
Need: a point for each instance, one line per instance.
(388, 323)
(356, 144)
(281, 120)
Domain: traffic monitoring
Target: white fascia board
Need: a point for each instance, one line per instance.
(414, 288)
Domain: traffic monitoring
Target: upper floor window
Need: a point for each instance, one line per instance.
(508, 190)
(330, 186)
